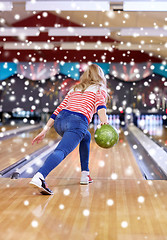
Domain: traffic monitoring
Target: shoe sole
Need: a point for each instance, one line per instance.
(86, 183)
(42, 191)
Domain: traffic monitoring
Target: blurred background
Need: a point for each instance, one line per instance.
(45, 47)
(43, 53)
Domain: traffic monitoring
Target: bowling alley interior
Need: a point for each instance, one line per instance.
(45, 46)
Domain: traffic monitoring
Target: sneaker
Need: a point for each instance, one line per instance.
(90, 179)
(85, 178)
(39, 182)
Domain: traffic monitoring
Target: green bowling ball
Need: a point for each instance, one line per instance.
(106, 136)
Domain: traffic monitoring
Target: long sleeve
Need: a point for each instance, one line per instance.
(60, 107)
(100, 100)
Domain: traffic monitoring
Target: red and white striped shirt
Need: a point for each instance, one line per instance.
(87, 103)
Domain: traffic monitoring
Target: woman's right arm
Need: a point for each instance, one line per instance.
(100, 104)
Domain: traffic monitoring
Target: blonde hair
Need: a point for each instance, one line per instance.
(93, 75)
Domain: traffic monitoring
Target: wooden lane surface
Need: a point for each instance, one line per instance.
(118, 205)
(117, 162)
(18, 147)
(122, 209)
(4, 128)
(162, 138)
(114, 163)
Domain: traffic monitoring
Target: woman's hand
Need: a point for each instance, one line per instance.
(39, 137)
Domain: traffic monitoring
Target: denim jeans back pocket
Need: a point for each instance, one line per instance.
(76, 124)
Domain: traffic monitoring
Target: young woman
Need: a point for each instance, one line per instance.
(71, 120)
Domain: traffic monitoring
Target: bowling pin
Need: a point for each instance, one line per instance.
(138, 120)
(98, 120)
(95, 121)
(110, 119)
(114, 119)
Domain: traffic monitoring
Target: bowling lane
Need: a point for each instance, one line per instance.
(124, 209)
(7, 127)
(161, 136)
(114, 163)
(152, 126)
(4, 128)
(18, 147)
(156, 132)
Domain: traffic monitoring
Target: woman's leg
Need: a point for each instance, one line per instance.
(84, 150)
(73, 129)
(67, 144)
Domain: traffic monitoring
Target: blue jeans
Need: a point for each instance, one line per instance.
(73, 129)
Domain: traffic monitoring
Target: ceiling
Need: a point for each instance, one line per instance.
(114, 47)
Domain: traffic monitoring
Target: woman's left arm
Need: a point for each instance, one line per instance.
(42, 134)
